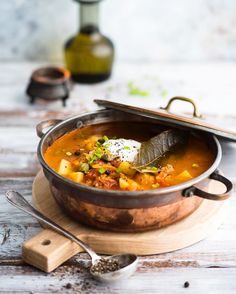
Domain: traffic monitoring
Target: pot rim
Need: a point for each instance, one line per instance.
(147, 193)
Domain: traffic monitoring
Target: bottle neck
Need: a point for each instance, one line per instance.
(89, 18)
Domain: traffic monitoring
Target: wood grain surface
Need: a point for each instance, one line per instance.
(209, 266)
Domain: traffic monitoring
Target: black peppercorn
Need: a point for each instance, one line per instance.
(68, 286)
(77, 153)
(107, 172)
(186, 284)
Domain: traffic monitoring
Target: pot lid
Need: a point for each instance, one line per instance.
(197, 121)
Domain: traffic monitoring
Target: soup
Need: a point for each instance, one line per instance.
(103, 156)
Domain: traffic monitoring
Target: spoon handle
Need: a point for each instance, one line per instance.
(20, 202)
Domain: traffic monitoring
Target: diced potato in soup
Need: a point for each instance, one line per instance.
(65, 168)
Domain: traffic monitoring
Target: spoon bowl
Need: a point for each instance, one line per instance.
(127, 265)
(104, 269)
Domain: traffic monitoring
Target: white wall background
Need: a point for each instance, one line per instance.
(142, 30)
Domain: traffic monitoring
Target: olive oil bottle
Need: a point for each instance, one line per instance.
(89, 55)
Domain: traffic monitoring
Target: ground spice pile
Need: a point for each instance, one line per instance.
(104, 266)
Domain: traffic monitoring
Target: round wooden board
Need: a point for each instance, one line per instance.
(184, 233)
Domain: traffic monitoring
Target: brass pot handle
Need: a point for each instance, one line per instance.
(46, 124)
(194, 191)
(196, 113)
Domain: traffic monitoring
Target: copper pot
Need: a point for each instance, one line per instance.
(121, 210)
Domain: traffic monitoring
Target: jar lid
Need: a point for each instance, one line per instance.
(197, 121)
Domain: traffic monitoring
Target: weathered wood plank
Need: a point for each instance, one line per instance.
(178, 79)
(228, 161)
(30, 118)
(75, 279)
(16, 139)
(18, 151)
(9, 214)
(21, 164)
(12, 237)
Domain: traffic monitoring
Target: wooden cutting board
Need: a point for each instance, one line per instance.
(48, 249)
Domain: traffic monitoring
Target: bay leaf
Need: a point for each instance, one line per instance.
(154, 149)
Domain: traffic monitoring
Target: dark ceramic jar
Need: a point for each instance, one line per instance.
(50, 83)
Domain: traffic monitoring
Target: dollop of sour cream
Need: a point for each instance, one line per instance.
(124, 149)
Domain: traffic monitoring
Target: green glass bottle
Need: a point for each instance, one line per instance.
(89, 55)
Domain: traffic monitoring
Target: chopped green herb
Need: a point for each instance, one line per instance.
(110, 88)
(134, 90)
(154, 168)
(164, 93)
(98, 144)
(106, 146)
(126, 147)
(195, 165)
(96, 155)
(93, 158)
(102, 170)
(84, 167)
(101, 141)
(119, 170)
(98, 151)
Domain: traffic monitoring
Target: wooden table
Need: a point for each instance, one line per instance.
(209, 266)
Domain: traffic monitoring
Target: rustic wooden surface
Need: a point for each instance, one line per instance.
(209, 266)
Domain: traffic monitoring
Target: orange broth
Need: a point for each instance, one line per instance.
(76, 147)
